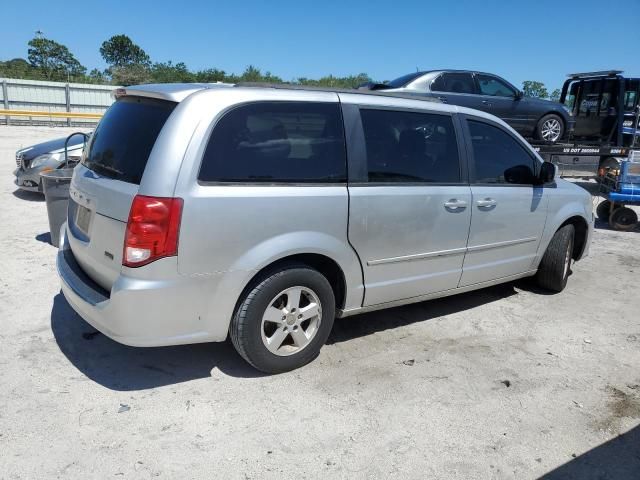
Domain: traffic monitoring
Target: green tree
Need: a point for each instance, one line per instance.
(555, 95)
(210, 75)
(120, 51)
(169, 73)
(531, 88)
(350, 81)
(19, 68)
(54, 60)
(251, 74)
(130, 75)
(96, 76)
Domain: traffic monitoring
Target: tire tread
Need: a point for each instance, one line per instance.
(551, 270)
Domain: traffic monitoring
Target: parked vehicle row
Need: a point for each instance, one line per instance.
(591, 130)
(261, 214)
(531, 117)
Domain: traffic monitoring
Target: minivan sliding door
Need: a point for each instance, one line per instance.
(409, 201)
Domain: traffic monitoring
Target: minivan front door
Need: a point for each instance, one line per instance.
(409, 210)
(508, 212)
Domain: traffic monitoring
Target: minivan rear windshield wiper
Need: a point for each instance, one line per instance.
(105, 168)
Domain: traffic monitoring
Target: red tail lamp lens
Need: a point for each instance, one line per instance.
(152, 230)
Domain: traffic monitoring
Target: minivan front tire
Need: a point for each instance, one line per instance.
(284, 319)
(555, 266)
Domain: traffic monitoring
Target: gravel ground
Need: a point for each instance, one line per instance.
(501, 383)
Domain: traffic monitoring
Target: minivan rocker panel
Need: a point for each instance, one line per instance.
(377, 198)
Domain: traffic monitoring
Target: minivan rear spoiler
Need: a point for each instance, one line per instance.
(173, 92)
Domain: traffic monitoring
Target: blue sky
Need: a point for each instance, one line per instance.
(534, 40)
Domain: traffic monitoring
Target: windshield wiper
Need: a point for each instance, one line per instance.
(106, 168)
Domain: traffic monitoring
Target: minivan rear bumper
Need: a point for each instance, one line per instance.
(136, 312)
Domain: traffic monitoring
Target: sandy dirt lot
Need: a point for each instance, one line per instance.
(502, 383)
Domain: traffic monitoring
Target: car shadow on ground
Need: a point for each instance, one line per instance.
(348, 328)
(119, 367)
(28, 196)
(616, 459)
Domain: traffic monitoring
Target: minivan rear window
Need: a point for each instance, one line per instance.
(120, 146)
(277, 142)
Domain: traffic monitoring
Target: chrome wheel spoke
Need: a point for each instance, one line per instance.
(551, 130)
(274, 342)
(293, 298)
(300, 338)
(567, 260)
(273, 315)
(309, 311)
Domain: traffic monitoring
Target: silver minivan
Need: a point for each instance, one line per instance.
(200, 212)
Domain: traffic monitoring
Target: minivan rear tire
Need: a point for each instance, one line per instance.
(555, 267)
(247, 326)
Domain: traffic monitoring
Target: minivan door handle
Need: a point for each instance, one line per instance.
(486, 102)
(442, 99)
(455, 204)
(487, 202)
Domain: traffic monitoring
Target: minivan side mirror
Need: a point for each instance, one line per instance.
(547, 172)
(518, 95)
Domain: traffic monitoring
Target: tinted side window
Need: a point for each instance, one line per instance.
(609, 97)
(454, 83)
(275, 142)
(494, 87)
(572, 94)
(499, 158)
(591, 100)
(410, 147)
(631, 94)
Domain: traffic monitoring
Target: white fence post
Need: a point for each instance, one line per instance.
(5, 98)
(67, 96)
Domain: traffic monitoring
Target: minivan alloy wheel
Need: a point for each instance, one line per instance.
(551, 130)
(567, 260)
(291, 321)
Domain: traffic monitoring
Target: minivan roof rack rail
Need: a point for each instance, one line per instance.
(601, 73)
(379, 93)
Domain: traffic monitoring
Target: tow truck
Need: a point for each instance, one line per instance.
(606, 109)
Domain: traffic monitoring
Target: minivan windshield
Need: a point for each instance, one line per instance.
(120, 146)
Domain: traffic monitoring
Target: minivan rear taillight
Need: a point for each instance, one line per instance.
(152, 230)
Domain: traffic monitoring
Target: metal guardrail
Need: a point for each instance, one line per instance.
(39, 113)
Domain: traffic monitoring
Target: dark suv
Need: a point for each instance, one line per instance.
(531, 117)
